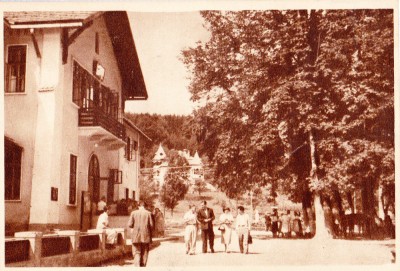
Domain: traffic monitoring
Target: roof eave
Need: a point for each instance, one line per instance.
(136, 128)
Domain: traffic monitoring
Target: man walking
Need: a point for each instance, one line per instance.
(190, 230)
(142, 225)
(205, 217)
(242, 229)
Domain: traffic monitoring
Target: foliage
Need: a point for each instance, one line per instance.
(199, 186)
(270, 78)
(148, 189)
(175, 184)
(174, 132)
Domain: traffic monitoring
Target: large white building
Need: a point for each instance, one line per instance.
(67, 77)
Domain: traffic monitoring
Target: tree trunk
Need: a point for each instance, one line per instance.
(321, 231)
(381, 210)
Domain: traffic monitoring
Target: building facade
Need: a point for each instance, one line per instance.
(66, 79)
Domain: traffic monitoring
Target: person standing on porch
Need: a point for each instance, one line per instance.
(243, 230)
(142, 225)
(190, 219)
(205, 217)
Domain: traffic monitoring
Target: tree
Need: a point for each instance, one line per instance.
(148, 189)
(200, 186)
(293, 97)
(175, 184)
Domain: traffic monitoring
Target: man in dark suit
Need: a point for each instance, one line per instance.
(205, 217)
(142, 225)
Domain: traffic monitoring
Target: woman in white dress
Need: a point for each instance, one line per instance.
(226, 220)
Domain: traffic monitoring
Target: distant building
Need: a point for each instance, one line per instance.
(160, 166)
(196, 166)
(67, 76)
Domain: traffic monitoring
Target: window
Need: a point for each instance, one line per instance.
(72, 179)
(128, 153)
(96, 45)
(15, 69)
(135, 149)
(12, 170)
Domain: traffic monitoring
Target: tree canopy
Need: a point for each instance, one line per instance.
(269, 78)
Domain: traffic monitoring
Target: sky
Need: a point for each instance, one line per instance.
(159, 40)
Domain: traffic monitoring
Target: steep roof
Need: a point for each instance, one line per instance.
(160, 154)
(130, 124)
(118, 27)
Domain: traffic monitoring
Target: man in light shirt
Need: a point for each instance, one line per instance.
(102, 223)
(101, 204)
(190, 220)
(243, 229)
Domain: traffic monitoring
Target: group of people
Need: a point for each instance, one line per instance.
(284, 225)
(203, 218)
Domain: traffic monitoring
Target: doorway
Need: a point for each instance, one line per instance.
(92, 196)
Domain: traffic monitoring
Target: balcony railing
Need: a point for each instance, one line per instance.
(96, 117)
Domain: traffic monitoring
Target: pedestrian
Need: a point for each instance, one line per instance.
(285, 224)
(102, 224)
(190, 219)
(268, 222)
(297, 228)
(142, 225)
(243, 230)
(159, 223)
(205, 217)
(275, 223)
(226, 220)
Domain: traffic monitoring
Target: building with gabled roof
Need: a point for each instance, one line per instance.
(160, 165)
(67, 76)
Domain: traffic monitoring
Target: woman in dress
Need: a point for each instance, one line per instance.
(226, 220)
(159, 223)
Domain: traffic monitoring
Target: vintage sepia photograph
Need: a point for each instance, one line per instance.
(199, 136)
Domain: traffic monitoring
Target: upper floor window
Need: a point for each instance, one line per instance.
(12, 170)
(88, 92)
(135, 149)
(15, 69)
(96, 43)
(128, 149)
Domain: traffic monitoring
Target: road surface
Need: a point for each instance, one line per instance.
(266, 251)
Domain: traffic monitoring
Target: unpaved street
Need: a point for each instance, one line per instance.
(267, 251)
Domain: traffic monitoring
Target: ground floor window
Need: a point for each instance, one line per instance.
(72, 179)
(12, 170)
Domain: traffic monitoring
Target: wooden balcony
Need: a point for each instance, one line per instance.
(95, 117)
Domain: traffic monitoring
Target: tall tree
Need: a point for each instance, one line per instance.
(294, 95)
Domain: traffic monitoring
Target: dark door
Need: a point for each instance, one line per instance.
(90, 200)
